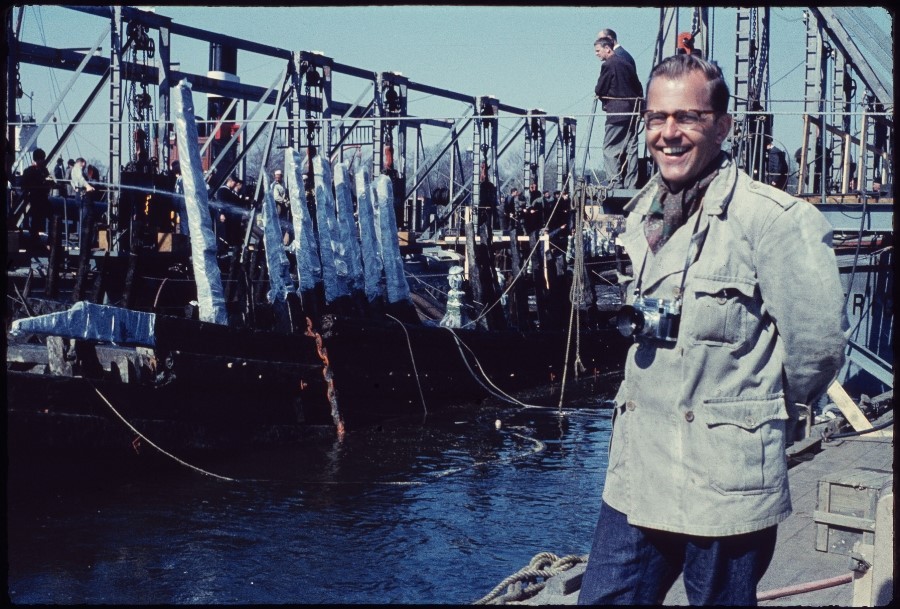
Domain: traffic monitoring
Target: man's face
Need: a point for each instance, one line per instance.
(277, 177)
(680, 153)
(602, 52)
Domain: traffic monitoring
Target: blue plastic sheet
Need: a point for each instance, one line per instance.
(88, 321)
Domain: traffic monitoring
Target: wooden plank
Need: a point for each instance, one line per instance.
(56, 358)
(850, 522)
(849, 409)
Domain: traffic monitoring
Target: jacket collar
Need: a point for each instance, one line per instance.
(716, 199)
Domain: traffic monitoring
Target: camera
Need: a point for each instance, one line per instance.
(650, 317)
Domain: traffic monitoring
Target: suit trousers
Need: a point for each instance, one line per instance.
(620, 155)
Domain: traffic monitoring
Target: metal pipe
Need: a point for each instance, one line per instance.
(804, 588)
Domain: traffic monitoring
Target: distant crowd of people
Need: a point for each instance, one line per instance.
(77, 180)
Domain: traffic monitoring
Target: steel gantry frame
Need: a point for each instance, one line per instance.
(311, 117)
(838, 63)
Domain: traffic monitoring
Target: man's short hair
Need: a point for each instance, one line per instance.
(605, 41)
(608, 33)
(679, 66)
(39, 156)
(278, 172)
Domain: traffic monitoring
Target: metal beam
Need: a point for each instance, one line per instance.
(67, 87)
(836, 21)
(870, 362)
(847, 217)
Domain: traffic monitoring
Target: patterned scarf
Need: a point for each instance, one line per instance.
(669, 210)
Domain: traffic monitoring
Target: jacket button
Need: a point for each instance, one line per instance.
(689, 416)
(630, 405)
(749, 421)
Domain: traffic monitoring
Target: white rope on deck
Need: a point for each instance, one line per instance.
(544, 565)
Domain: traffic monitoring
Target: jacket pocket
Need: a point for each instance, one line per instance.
(746, 444)
(718, 314)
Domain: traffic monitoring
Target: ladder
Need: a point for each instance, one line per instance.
(115, 129)
(812, 97)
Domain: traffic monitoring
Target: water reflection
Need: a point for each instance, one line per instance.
(407, 512)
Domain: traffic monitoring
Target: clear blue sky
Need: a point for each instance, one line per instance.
(527, 56)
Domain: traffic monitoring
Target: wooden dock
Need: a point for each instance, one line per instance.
(863, 463)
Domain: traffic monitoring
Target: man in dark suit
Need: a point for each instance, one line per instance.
(776, 166)
(621, 93)
(618, 49)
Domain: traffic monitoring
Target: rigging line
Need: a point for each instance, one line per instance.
(145, 439)
(500, 394)
(413, 360)
(522, 268)
(576, 292)
(511, 283)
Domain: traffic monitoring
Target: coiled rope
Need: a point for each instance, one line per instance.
(542, 566)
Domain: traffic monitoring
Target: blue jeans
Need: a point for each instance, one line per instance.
(631, 565)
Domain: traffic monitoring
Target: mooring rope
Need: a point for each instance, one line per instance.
(413, 360)
(147, 440)
(544, 565)
(496, 391)
(538, 447)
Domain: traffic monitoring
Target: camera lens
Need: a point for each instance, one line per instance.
(630, 321)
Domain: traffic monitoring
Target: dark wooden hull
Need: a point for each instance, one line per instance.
(207, 387)
(384, 367)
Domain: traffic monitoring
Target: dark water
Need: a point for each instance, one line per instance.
(433, 511)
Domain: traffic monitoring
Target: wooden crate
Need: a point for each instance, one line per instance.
(103, 241)
(845, 510)
(172, 242)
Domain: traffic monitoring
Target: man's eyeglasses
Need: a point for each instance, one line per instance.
(685, 119)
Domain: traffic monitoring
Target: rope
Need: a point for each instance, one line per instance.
(147, 440)
(537, 244)
(499, 393)
(575, 296)
(413, 360)
(544, 565)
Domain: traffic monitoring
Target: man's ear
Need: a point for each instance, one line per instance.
(723, 127)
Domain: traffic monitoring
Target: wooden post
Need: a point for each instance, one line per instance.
(56, 253)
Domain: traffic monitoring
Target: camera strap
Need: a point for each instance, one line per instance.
(692, 253)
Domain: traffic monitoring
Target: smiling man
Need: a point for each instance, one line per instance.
(726, 345)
